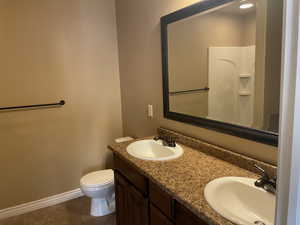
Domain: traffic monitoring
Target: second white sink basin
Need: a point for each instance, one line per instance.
(240, 201)
(153, 150)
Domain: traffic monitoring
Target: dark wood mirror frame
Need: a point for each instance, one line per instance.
(235, 130)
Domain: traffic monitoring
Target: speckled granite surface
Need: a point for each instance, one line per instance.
(185, 178)
(219, 152)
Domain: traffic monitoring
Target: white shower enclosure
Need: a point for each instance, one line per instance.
(231, 82)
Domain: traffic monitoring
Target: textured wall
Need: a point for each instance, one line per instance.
(52, 50)
(141, 77)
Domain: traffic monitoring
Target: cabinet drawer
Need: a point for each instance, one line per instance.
(157, 218)
(128, 171)
(183, 216)
(161, 199)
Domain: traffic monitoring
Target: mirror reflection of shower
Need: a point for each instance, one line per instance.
(219, 65)
(231, 82)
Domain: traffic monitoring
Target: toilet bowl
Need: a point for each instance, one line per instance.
(99, 186)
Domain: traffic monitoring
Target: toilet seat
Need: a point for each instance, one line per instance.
(98, 179)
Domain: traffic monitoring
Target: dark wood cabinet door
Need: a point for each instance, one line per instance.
(122, 212)
(183, 216)
(161, 199)
(157, 218)
(138, 207)
(131, 205)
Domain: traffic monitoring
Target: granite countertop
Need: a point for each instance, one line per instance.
(185, 177)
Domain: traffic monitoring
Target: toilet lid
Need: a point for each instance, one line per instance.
(98, 178)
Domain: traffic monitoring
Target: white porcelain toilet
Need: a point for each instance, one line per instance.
(99, 186)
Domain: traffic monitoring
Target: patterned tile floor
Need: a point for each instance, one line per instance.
(74, 212)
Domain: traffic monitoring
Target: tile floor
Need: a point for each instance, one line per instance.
(74, 212)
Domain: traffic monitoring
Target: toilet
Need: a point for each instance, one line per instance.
(99, 186)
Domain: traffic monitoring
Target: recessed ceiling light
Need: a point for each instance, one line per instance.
(246, 5)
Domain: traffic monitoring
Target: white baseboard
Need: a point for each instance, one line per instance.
(39, 204)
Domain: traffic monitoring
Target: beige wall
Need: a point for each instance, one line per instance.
(268, 68)
(52, 50)
(273, 65)
(193, 104)
(141, 77)
(249, 28)
(260, 57)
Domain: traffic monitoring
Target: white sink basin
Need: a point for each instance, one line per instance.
(240, 201)
(153, 150)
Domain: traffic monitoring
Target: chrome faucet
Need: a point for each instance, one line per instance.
(265, 181)
(166, 140)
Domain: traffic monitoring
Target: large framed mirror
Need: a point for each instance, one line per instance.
(222, 66)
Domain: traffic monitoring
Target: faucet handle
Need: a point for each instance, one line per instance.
(171, 141)
(274, 181)
(156, 138)
(262, 171)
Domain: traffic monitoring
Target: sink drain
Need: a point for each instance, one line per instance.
(259, 223)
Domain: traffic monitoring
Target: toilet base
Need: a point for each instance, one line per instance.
(102, 207)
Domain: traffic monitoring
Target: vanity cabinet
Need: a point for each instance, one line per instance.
(172, 209)
(161, 200)
(132, 206)
(157, 218)
(142, 202)
(132, 175)
(183, 216)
